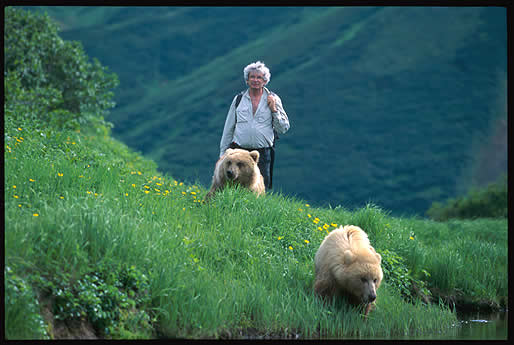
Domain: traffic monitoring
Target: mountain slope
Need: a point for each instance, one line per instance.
(387, 104)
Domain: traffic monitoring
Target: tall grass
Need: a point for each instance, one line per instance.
(240, 266)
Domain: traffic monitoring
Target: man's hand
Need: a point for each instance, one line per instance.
(271, 104)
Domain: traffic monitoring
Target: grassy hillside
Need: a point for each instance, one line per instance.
(387, 104)
(99, 244)
(102, 245)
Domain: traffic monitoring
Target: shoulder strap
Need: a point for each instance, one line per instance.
(238, 100)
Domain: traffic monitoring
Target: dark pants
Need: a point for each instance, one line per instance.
(265, 163)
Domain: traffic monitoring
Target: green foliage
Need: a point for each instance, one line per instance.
(108, 297)
(489, 202)
(22, 314)
(398, 275)
(49, 78)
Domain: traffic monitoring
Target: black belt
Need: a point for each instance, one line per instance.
(234, 145)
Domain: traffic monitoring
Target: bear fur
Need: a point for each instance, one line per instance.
(347, 265)
(239, 166)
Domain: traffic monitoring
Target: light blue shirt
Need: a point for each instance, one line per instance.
(253, 130)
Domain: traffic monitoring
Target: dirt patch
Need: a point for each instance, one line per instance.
(69, 329)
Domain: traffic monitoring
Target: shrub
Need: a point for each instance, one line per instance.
(489, 202)
(109, 297)
(400, 277)
(51, 79)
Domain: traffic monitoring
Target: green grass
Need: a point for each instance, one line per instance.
(96, 229)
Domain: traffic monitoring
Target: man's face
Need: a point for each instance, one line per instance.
(256, 80)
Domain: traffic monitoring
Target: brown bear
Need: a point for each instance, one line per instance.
(347, 265)
(239, 166)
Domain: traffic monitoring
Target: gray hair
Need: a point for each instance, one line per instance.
(259, 67)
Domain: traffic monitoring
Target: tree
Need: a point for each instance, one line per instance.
(50, 79)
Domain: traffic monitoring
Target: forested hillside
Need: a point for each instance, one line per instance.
(402, 106)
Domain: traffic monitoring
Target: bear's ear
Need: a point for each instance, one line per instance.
(348, 257)
(255, 156)
(378, 257)
(228, 151)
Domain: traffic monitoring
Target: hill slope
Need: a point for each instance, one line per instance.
(387, 104)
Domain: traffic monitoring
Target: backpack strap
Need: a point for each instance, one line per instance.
(238, 98)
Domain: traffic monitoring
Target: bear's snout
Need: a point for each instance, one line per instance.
(230, 174)
(372, 297)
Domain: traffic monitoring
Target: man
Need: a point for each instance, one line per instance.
(252, 124)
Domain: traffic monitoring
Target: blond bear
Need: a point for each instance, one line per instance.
(238, 166)
(347, 265)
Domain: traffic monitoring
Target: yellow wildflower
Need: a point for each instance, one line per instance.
(306, 241)
(290, 248)
(280, 237)
(36, 215)
(32, 180)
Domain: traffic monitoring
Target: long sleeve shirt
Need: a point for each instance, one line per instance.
(253, 130)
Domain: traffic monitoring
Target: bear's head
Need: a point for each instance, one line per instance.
(239, 166)
(363, 274)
